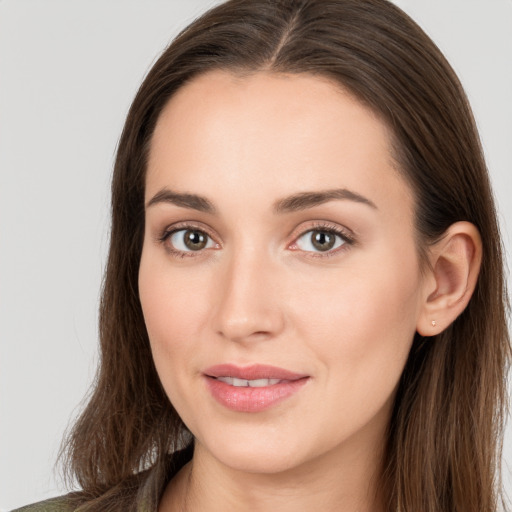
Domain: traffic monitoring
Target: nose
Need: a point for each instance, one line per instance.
(248, 306)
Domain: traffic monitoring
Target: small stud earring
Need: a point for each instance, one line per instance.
(433, 323)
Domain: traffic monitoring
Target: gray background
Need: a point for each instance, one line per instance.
(68, 71)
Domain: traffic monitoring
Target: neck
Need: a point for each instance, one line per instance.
(346, 482)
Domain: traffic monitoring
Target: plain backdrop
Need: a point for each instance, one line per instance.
(68, 72)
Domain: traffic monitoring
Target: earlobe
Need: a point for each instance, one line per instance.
(454, 266)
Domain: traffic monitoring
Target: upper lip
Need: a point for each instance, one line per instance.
(252, 372)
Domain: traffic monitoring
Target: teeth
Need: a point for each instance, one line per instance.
(259, 383)
(256, 383)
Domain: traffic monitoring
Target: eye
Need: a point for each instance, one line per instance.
(320, 240)
(187, 240)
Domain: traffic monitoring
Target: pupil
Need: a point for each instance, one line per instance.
(322, 240)
(195, 240)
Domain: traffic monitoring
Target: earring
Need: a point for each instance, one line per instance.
(433, 323)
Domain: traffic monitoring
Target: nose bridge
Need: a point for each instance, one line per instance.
(248, 307)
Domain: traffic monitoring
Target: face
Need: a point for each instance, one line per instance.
(279, 279)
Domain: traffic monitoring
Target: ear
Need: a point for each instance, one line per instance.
(451, 279)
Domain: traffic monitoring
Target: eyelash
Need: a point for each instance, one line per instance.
(167, 234)
(346, 237)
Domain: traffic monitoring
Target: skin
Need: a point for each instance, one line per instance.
(260, 292)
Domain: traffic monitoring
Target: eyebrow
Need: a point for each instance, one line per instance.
(293, 203)
(305, 200)
(192, 201)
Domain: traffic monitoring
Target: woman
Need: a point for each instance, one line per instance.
(304, 303)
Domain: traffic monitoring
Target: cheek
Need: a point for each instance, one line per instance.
(362, 321)
(360, 336)
(173, 317)
(171, 309)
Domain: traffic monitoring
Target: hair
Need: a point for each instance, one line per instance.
(443, 450)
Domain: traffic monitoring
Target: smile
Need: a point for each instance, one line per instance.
(241, 383)
(253, 388)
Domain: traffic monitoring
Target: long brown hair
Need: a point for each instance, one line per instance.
(444, 440)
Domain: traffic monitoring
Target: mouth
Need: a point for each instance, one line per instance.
(243, 383)
(252, 373)
(252, 388)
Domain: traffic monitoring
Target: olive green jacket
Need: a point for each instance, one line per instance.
(51, 505)
(148, 493)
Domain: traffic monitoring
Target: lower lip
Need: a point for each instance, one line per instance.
(247, 399)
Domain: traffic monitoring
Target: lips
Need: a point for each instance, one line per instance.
(256, 371)
(252, 388)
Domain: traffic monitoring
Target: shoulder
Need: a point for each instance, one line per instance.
(140, 493)
(60, 504)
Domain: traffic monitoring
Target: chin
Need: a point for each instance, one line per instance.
(259, 462)
(258, 453)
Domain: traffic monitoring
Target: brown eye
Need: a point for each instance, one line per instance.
(320, 240)
(195, 240)
(187, 240)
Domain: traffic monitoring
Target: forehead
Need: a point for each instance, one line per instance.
(294, 131)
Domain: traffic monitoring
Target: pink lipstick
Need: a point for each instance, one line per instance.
(252, 388)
